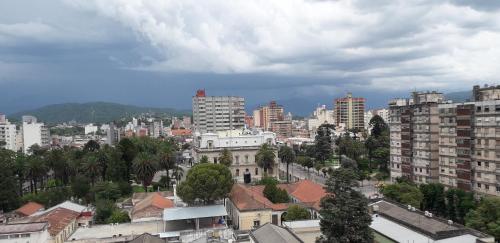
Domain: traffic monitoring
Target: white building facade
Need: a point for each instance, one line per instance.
(34, 133)
(8, 134)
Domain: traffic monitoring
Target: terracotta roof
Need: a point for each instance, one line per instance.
(29, 208)
(147, 238)
(139, 196)
(181, 132)
(58, 219)
(151, 206)
(252, 197)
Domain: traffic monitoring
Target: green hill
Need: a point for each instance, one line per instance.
(96, 112)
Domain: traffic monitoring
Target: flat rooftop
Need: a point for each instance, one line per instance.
(108, 231)
(22, 227)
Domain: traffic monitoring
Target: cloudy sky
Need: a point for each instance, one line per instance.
(301, 52)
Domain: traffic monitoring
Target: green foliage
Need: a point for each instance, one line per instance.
(226, 157)
(204, 159)
(486, 217)
(404, 193)
(267, 180)
(433, 198)
(96, 112)
(104, 210)
(118, 216)
(286, 155)
(265, 157)
(323, 143)
(276, 194)
(206, 183)
(378, 125)
(106, 191)
(344, 211)
(8, 194)
(125, 188)
(305, 161)
(80, 186)
(145, 168)
(49, 197)
(296, 212)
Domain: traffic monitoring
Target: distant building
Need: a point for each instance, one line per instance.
(217, 113)
(34, 133)
(25, 232)
(319, 117)
(383, 113)
(268, 114)
(283, 129)
(28, 209)
(112, 134)
(8, 134)
(243, 144)
(90, 128)
(350, 111)
(150, 208)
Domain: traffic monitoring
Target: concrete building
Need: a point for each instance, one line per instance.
(34, 133)
(112, 134)
(414, 134)
(8, 134)
(24, 232)
(282, 129)
(90, 128)
(268, 114)
(350, 111)
(319, 117)
(383, 113)
(243, 144)
(217, 113)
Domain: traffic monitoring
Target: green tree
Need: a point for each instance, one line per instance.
(118, 216)
(287, 156)
(8, 186)
(80, 186)
(404, 193)
(378, 125)
(305, 161)
(486, 217)
(128, 151)
(265, 157)
(106, 190)
(433, 198)
(91, 146)
(226, 157)
(145, 168)
(323, 142)
(204, 159)
(275, 194)
(458, 204)
(104, 210)
(92, 168)
(344, 211)
(296, 212)
(36, 170)
(206, 183)
(167, 163)
(20, 170)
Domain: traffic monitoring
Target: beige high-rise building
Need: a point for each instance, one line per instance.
(350, 111)
(414, 127)
(217, 113)
(265, 115)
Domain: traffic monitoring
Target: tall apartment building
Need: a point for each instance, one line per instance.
(350, 111)
(217, 113)
(320, 116)
(268, 114)
(414, 135)
(8, 134)
(34, 133)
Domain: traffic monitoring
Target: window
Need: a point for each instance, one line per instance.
(478, 174)
(478, 185)
(237, 159)
(487, 187)
(486, 109)
(215, 160)
(237, 172)
(479, 163)
(478, 109)
(246, 158)
(487, 164)
(256, 223)
(256, 171)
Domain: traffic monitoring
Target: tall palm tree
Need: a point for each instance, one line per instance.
(91, 167)
(21, 170)
(145, 167)
(286, 155)
(166, 161)
(265, 157)
(36, 169)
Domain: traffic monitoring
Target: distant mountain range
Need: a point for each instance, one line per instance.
(459, 96)
(96, 112)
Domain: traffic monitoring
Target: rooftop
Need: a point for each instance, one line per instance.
(151, 206)
(22, 227)
(270, 233)
(67, 205)
(58, 219)
(108, 231)
(180, 213)
(29, 208)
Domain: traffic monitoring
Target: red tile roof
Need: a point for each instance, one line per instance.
(58, 219)
(252, 197)
(151, 206)
(181, 132)
(29, 208)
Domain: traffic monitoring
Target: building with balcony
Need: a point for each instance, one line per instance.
(350, 111)
(217, 113)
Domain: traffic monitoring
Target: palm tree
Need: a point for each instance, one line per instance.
(166, 162)
(287, 155)
(21, 170)
(36, 169)
(265, 157)
(145, 168)
(178, 173)
(92, 167)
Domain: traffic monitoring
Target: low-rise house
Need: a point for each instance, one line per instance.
(28, 209)
(150, 208)
(243, 145)
(85, 214)
(62, 223)
(24, 232)
(249, 208)
(393, 222)
(270, 233)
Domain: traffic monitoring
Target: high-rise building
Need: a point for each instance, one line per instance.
(268, 114)
(7, 134)
(34, 133)
(217, 113)
(383, 113)
(320, 116)
(414, 135)
(350, 111)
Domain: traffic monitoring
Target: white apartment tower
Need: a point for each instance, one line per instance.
(34, 133)
(217, 113)
(7, 134)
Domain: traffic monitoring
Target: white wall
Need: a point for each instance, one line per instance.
(32, 134)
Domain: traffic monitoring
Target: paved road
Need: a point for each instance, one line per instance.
(299, 173)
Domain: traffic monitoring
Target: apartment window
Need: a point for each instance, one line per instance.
(237, 159)
(237, 172)
(487, 187)
(498, 188)
(478, 109)
(256, 223)
(486, 109)
(246, 158)
(497, 108)
(479, 163)
(478, 174)
(478, 185)
(487, 164)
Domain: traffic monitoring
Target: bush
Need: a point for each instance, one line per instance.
(104, 210)
(125, 188)
(106, 191)
(118, 216)
(276, 194)
(296, 212)
(267, 180)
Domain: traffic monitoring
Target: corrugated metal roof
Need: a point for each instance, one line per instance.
(180, 213)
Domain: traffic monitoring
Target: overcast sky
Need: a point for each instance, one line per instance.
(158, 52)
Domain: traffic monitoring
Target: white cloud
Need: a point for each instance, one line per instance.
(391, 45)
